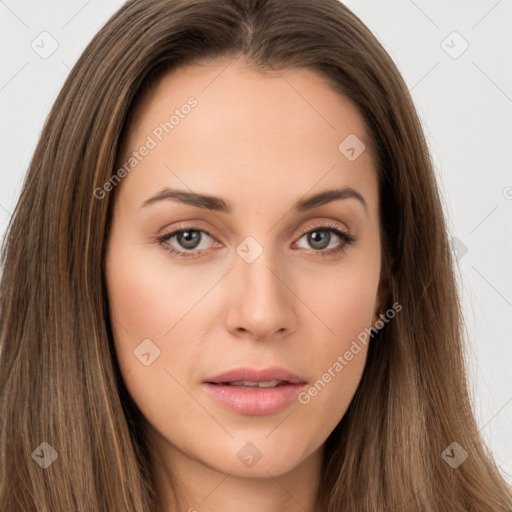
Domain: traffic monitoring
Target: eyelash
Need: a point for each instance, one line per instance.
(346, 238)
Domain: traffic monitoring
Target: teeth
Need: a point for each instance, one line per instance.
(263, 384)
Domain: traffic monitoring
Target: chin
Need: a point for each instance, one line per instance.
(260, 458)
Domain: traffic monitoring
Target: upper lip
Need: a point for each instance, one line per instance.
(256, 375)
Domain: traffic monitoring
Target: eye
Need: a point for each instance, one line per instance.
(319, 238)
(188, 239)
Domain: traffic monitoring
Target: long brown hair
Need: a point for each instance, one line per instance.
(60, 383)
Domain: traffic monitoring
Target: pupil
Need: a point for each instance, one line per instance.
(316, 241)
(189, 239)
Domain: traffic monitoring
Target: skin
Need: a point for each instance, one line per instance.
(261, 142)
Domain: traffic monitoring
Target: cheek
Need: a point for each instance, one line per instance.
(346, 306)
(146, 296)
(143, 307)
(153, 311)
(343, 300)
(137, 301)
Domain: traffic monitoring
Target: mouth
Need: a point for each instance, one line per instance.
(266, 377)
(247, 384)
(254, 392)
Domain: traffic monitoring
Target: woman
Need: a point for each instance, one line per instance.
(176, 335)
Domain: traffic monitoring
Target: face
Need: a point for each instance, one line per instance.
(234, 318)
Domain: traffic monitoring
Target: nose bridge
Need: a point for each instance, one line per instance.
(261, 302)
(256, 266)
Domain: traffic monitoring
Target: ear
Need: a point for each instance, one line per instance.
(378, 311)
(384, 289)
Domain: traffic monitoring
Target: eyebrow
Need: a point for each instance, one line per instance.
(218, 204)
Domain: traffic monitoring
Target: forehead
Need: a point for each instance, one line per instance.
(232, 84)
(283, 128)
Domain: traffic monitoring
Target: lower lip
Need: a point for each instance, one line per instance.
(255, 401)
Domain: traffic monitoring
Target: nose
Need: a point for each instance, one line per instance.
(262, 304)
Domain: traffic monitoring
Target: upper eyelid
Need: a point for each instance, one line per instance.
(198, 226)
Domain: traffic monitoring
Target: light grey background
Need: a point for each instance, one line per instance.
(464, 101)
